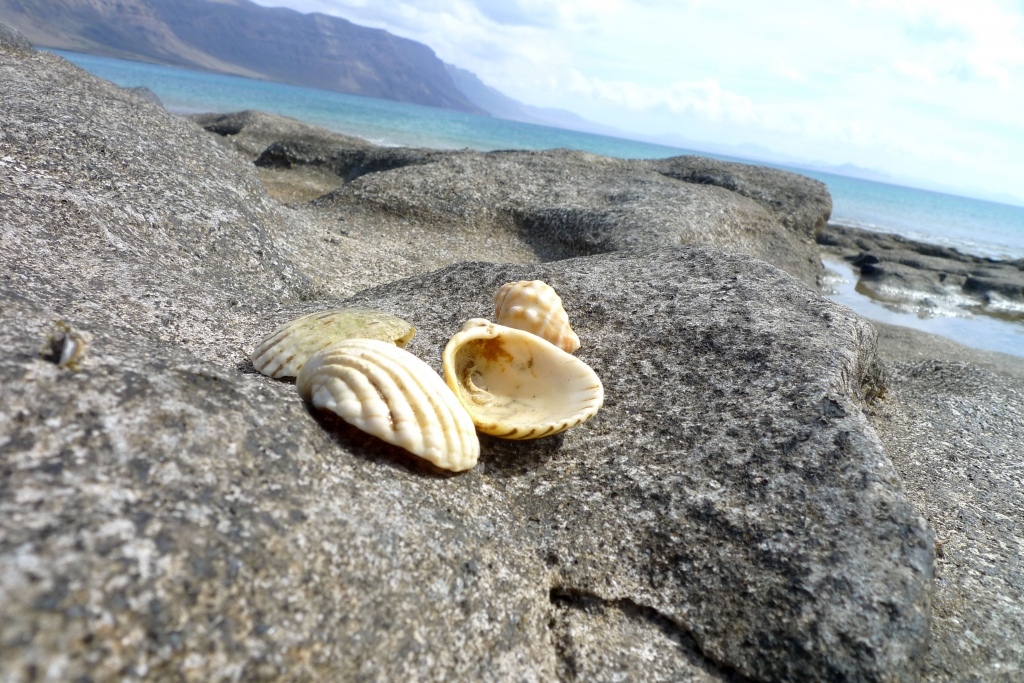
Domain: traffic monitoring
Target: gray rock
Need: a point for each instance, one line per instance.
(953, 424)
(896, 281)
(923, 276)
(346, 162)
(146, 94)
(954, 432)
(13, 40)
(756, 512)
(904, 344)
(250, 132)
(167, 513)
(801, 203)
(560, 203)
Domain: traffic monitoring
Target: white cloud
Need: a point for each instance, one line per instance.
(932, 87)
(987, 35)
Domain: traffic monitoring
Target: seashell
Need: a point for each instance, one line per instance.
(73, 348)
(516, 385)
(536, 308)
(284, 351)
(67, 347)
(390, 393)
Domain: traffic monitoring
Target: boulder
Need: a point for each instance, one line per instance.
(11, 39)
(558, 203)
(801, 203)
(954, 425)
(146, 94)
(250, 132)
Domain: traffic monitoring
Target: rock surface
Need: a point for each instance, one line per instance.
(801, 203)
(926, 278)
(556, 203)
(167, 513)
(12, 39)
(954, 431)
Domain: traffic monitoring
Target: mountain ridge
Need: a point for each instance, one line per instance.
(245, 39)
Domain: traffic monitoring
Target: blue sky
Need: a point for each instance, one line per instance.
(922, 90)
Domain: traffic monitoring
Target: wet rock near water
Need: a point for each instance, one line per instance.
(927, 278)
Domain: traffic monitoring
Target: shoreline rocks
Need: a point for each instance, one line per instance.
(928, 279)
(558, 203)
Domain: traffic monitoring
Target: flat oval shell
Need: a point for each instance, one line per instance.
(390, 393)
(535, 307)
(516, 385)
(286, 349)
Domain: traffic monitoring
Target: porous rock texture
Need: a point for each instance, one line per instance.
(801, 203)
(954, 428)
(557, 203)
(167, 513)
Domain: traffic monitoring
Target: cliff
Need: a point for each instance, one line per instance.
(242, 38)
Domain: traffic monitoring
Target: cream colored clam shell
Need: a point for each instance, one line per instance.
(516, 385)
(390, 393)
(284, 351)
(535, 307)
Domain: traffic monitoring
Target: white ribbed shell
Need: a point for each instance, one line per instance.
(516, 385)
(390, 393)
(283, 353)
(535, 308)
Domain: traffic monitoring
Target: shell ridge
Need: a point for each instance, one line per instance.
(285, 350)
(390, 393)
(414, 396)
(372, 407)
(443, 434)
(401, 416)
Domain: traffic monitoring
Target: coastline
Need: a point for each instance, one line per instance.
(976, 300)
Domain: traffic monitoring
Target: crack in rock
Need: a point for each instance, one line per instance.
(585, 627)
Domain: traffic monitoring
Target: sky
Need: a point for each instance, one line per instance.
(930, 92)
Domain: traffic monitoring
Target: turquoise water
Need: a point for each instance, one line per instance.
(381, 121)
(972, 225)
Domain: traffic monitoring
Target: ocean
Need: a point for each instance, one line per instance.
(971, 225)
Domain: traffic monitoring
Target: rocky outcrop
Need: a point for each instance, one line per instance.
(146, 94)
(251, 132)
(800, 203)
(928, 278)
(243, 38)
(168, 513)
(12, 39)
(558, 203)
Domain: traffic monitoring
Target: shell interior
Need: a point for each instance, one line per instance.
(390, 393)
(286, 349)
(516, 385)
